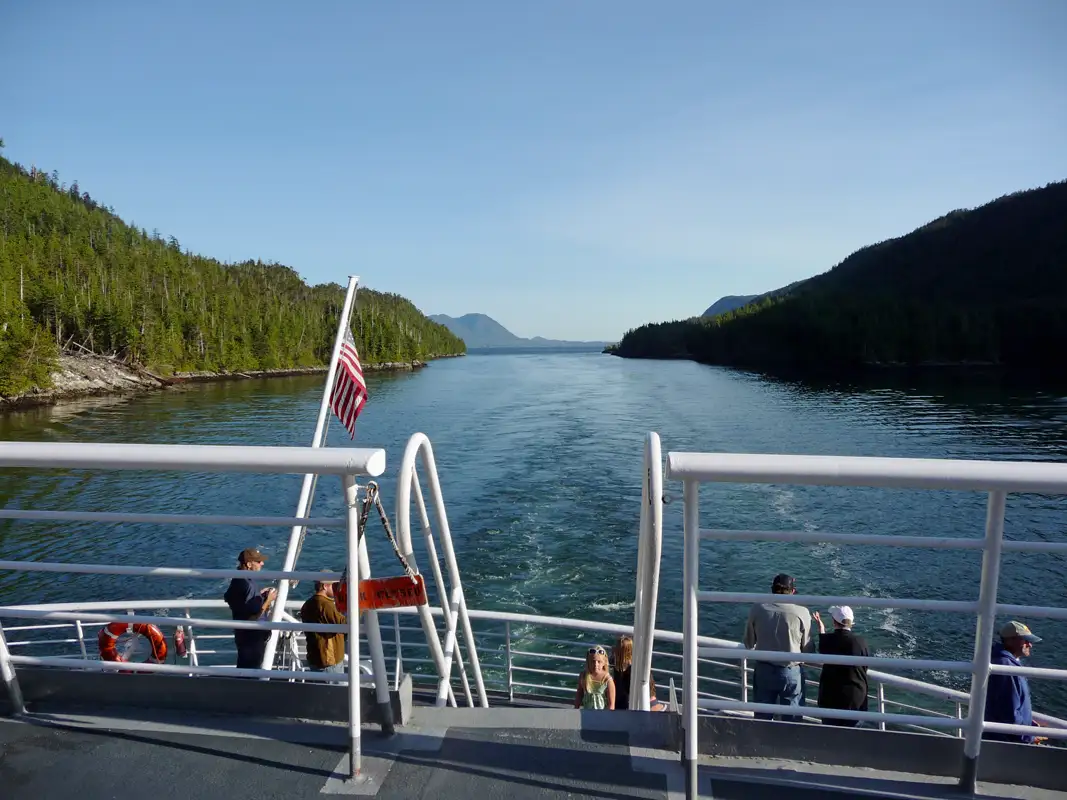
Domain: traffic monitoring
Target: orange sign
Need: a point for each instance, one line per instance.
(375, 593)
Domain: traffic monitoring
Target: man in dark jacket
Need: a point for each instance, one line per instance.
(841, 686)
(1008, 697)
(248, 602)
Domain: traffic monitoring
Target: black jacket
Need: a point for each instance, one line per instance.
(246, 603)
(843, 687)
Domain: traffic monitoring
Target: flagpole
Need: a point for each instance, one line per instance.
(303, 506)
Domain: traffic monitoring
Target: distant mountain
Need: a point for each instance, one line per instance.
(732, 302)
(729, 303)
(479, 330)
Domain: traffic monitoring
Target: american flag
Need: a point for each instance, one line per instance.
(349, 389)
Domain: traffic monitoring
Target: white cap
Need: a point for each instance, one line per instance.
(842, 614)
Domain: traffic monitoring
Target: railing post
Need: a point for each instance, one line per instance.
(881, 705)
(193, 658)
(7, 675)
(81, 638)
(374, 641)
(959, 715)
(507, 653)
(399, 651)
(690, 580)
(744, 680)
(354, 718)
(983, 639)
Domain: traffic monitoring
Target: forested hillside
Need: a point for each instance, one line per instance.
(984, 286)
(71, 272)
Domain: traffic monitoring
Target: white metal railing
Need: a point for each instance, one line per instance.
(346, 463)
(453, 602)
(526, 657)
(995, 478)
(649, 550)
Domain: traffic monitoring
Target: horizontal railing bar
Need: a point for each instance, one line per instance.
(886, 473)
(164, 572)
(546, 655)
(135, 619)
(833, 713)
(815, 537)
(563, 689)
(12, 629)
(951, 606)
(1029, 672)
(42, 641)
(570, 675)
(1034, 547)
(1024, 730)
(180, 669)
(195, 458)
(700, 678)
(910, 707)
(1049, 612)
(170, 519)
(776, 656)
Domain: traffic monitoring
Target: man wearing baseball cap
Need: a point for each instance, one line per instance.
(248, 602)
(1008, 697)
(785, 627)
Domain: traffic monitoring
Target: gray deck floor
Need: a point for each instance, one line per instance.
(509, 754)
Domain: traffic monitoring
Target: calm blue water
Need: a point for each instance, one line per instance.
(540, 458)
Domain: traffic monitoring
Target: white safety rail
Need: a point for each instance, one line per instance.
(994, 478)
(453, 602)
(347, 464)
(527, 658)
(649, 550)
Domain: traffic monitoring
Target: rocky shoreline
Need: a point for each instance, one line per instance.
(80, 376)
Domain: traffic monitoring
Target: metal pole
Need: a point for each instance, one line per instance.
(304, 503)
(399, 652)
(81, 637)
(11, 681)
(354, 718)
(744, 680)
(691, 576)
(507, 652)
(193, 658)
(374, 644)
(881, 705)
(983, 639)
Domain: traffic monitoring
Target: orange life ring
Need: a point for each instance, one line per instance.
(109, 635)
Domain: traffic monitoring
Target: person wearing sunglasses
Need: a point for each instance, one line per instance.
(596, 689)
(1008, 696)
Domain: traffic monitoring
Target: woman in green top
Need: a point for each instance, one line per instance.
(596, 689)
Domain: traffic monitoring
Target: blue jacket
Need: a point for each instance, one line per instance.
(1008, 698)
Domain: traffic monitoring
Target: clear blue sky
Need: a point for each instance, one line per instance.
(572, 169)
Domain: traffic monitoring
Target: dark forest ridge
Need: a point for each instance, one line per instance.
(984, 286)
(479, 330)
(72, 273)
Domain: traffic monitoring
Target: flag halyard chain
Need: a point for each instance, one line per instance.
(372, 497)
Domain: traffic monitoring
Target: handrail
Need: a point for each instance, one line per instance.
(454, 603)
(508, 617)
(649, 550)
(194, 458)
(885, 473)
(995, 478)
